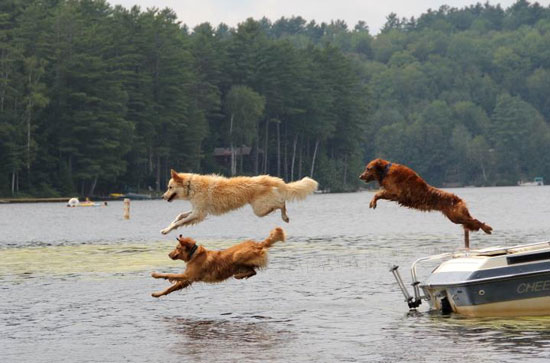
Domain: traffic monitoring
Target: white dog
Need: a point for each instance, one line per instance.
(214, 194)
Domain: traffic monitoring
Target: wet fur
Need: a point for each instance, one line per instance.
(214, 194)
(239, 261)
(404, 186)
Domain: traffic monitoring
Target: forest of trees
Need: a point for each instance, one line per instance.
(97, 99)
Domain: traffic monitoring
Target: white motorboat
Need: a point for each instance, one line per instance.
(496, 281)
(537, 182)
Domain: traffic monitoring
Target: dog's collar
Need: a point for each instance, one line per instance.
(193, 250)
(385, 172)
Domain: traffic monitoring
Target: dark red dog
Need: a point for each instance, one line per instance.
(404, 186)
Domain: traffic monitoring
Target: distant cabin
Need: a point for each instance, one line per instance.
(244, 153)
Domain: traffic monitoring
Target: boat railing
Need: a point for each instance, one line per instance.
(415, 281)
(415, 301)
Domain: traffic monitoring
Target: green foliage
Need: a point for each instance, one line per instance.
(244, 108)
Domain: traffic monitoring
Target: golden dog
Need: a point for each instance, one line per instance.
(239, 261)
(404, 186)
(214, 194)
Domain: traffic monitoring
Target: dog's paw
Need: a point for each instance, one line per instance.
(156, 294)
(155, 275)
(165, 230)
(372, 204)
(286, 219)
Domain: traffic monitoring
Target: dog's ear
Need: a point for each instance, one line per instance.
(186, 242)
(181, 240)
(380, 164)
(174, 175)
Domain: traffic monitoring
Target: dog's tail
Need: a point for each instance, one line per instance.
(475, 225)
(276, 235)
(299, 189)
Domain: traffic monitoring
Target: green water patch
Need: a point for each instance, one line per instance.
(84, 259)
(119, 258)
(125, 259)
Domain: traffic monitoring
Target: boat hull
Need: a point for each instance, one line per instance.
(520, 296)
(524, 307)
(511, 281)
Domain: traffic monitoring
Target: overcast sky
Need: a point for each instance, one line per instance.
(232, 12)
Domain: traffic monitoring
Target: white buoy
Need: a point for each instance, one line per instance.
(126, 208)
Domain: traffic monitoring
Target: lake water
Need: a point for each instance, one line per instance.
(75, 284)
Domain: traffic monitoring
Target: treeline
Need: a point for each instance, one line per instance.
(97, 99)
(463, 94)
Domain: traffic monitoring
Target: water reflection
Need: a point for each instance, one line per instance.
(206, 339)
(474, 339)
(526, 335)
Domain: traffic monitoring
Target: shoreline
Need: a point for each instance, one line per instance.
(34, 200)
(101, 199)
